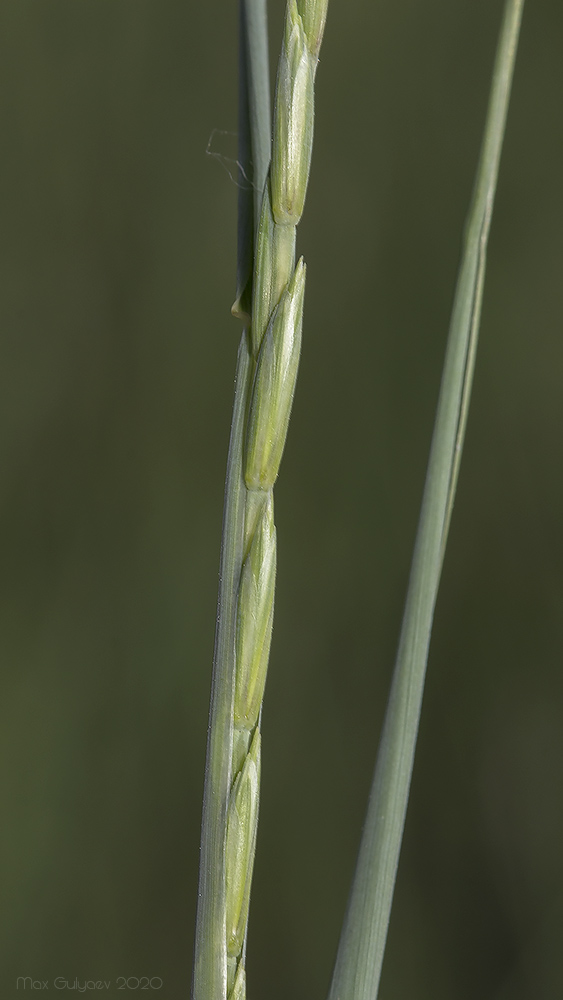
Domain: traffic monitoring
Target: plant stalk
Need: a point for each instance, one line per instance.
(210, 962)
(362, 943)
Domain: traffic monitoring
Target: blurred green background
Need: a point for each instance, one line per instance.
(117, 359)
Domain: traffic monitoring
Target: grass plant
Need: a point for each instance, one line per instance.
(270, 303)
(362, 944)
(270, 295)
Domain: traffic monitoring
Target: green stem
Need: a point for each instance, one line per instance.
(210, 970)
(360, 955)
(254, 147)
(210, 964)
(254, 35)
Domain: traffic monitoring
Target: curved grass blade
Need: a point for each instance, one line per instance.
(362, 943)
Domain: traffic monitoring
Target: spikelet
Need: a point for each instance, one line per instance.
(254, 620)
(242, 819)
(313, 16)
(274, 385)
(238, 991)
(293, 123)
(275, 256)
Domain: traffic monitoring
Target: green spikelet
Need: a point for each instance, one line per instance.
(254, 621)
(242, 820)
(274, 385)
(313, 15)
(293, 123)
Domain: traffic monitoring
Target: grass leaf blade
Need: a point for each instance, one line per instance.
(360, 955)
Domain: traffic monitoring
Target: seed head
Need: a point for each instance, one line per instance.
(313, 15)
(274, 385)
(239, 988)
(242, 820)
(293, 123)
(255, 614)
(273, 267)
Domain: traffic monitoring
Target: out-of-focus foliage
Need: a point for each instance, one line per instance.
(117, 354)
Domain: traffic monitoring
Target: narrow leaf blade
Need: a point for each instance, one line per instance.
(362, 943)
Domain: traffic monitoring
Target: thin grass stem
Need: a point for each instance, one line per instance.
(210, 961)
(360, 954)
